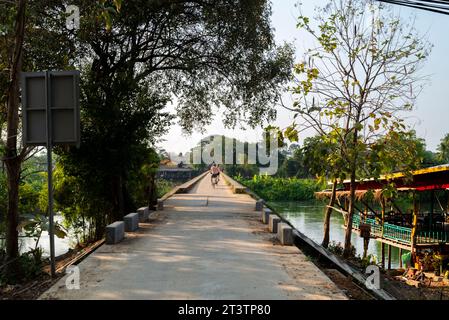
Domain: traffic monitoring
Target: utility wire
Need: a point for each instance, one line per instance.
(436, 6)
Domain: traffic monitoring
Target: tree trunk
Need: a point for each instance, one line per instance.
(152, 191)
(327, 215)
(348, 234)
(353, 168)
(13, 160)
(12, 216)
(117, 198)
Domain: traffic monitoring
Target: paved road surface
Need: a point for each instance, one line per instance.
(207, 244)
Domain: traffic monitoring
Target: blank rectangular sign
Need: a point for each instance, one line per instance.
(64, 101)
(34, 107)
(51, 96)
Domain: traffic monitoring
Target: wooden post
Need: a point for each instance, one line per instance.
(389, 257)
(414, 226)
(383, 254)
(382, 203)
(346, 209)
(400, 258)
(432, 197)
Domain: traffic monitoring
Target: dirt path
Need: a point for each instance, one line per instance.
(207, 244)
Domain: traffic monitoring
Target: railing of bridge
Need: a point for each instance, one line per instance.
(400, 234)
(387, 231)
(429, 237)
(397, 233)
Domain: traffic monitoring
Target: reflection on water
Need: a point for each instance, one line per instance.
(61, 245)
(308, 217)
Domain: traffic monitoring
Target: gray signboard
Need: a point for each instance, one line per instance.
(51, 116)
(50, 102)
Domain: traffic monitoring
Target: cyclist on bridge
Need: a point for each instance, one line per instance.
(215, 172)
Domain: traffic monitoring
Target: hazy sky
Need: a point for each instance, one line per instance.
(430, 118)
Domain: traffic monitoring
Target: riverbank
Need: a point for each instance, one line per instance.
(307, 216)
(33, 288)
(282, 189)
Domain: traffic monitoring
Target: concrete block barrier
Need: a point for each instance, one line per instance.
(144, 214)
(259, 205)
(266, 215)
(115, 232)
(273, 222)
(285, 234)
(131, 222)
(160, 204)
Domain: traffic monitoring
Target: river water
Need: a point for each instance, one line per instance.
(61, 245)
(308, 217)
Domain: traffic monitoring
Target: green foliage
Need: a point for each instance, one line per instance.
(397, 151)
(30, 266)
(239, 164)
(203, 59)
(334, 92)
(281, 189)
(83, 211)
(353, 85)
(337, 248)
(322, 157)
(36, 39)
(142, 185)
(292, 163)
(34, 225)
(443, 150)
(163, 186)
(370, 259)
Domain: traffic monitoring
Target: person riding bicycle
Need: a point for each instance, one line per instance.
(215, 172)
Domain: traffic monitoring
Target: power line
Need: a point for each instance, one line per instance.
(436, 6)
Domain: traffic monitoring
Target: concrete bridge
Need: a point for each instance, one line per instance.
(208, 243)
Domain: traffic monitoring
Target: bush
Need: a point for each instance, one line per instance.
(337, 249)
(29, 267)
(281, 189)
(163, 186)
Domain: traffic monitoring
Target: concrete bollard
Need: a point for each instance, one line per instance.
(259, 205)
(160, 205)
(273, 223)
(144, 214)
(115, 232)
(265, 215)
(285, 234)
(131, 222)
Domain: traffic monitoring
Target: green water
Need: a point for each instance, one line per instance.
(308, 217)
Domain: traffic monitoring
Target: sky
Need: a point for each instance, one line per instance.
(430, 118)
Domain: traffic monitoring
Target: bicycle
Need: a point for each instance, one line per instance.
(214, 180)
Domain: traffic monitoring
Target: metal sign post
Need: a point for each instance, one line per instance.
(51, 223)
(50, 103)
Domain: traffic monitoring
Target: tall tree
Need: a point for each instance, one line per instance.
(12, 156)
(443, 149)
(319, 157)
(32, 38)
(204, 55)
(353, 86)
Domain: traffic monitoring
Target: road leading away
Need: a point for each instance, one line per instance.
(206, 244)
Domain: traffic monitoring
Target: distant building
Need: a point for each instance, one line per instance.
(171, 170)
